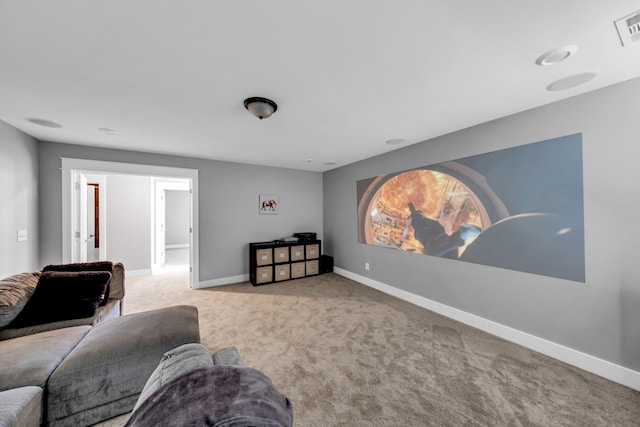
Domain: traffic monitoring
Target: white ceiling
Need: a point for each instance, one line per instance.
(348, 75)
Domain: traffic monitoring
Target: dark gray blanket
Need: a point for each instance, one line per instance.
(220, 396)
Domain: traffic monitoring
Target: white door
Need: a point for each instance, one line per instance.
(163, 229)
(79, 220)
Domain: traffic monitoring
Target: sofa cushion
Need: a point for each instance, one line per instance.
(174, 363)
(21, 407)
(30, 360)
(63, 295)
(81, 266)
(15, 291)
(86, 266)
(111, 365)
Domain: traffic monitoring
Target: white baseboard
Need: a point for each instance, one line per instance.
(222, 281)
(603, 368)
(138, 273)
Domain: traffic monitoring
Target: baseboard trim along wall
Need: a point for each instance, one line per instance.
(603, 368)
(223, 281)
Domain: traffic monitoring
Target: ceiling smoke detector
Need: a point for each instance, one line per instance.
(629, 28)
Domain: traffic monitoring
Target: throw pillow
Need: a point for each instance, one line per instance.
(15, 291)
(63, 295)
(85, 266)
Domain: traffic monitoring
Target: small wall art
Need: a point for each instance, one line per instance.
(268, 204)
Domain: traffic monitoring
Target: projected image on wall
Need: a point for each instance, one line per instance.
(520, 209)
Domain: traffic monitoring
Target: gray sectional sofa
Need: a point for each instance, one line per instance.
(78, 372)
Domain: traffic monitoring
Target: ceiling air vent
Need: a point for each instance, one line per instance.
(629, 28)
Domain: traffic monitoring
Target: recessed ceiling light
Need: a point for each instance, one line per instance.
(309, 160)
(108, 131)
(396, 141)
(556, 55)
(43, 122)
(572, 81)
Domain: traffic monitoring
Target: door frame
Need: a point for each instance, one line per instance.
(160, 185)
(69, 165)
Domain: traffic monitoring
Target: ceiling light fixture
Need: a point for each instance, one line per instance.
(572, 81)
(43, 122)
(556, 55)
(107, 131)
(262, 108)
(396, 141)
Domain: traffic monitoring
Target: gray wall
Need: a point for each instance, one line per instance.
(228, 204)
(128, 210)
(19, 195)
(600, 317)
(176, 217)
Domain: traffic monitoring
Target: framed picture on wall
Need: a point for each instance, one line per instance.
(268, 204)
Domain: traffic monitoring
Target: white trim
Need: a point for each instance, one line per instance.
(126, 168)
(98, 166)
(67, 238)
(223, 281)
(595, 365)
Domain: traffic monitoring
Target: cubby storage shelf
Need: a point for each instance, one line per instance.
(279, 261)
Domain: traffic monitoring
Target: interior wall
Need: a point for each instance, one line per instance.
(177, 218)
(599, 317)
(19, 195)
(129, 222)
(228, 204)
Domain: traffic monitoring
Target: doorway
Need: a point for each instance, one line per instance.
(77, 174)
(96, 217)
(172, 226)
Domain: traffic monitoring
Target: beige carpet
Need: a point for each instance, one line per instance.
(347, 355)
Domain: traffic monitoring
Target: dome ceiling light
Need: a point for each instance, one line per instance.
(262, 108)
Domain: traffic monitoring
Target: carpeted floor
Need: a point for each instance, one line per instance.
(348, 355)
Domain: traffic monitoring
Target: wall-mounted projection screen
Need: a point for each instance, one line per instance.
(520, 208)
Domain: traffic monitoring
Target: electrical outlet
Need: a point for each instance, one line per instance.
(366, 266)
(22, 235)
